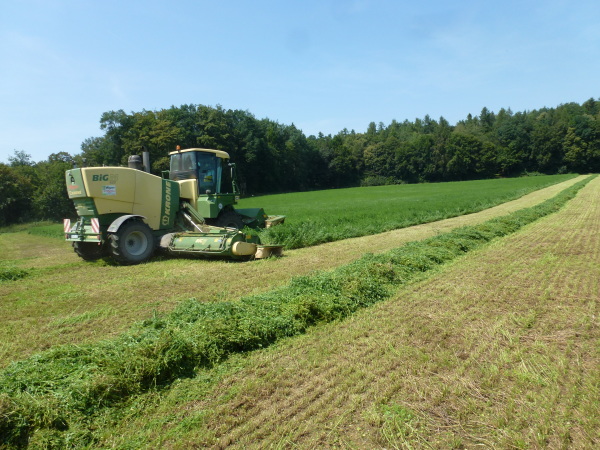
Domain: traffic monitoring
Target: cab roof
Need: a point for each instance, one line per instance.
(218, 153)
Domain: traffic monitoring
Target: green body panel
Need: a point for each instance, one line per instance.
(209, 206)
(75, 185)
(85, 207)
(169, 204)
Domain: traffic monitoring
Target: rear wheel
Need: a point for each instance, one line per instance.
(133, 243)
(230, 219)
(89, 251)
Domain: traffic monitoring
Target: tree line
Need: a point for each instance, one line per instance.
(273, 157)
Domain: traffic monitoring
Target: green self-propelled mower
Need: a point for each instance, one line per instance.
(127, 213)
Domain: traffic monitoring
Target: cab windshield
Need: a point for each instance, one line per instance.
(209, 173)
(203, 166)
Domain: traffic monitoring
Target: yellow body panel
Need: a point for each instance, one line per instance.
(188, 189)
(148, 196)
(125, 191)
(241, 248)
(101, 182)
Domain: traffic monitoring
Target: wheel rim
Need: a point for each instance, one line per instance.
(136, 243)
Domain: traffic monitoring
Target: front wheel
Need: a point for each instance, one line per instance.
(133, 243)
(230, 219)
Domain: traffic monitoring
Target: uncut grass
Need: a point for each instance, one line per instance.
(66, 300)
(497, 350)
(79, 380)
(325, 216)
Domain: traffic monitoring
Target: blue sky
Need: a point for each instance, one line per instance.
(323, 65)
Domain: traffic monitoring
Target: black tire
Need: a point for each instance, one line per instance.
(89, 251)
(133, 243)
(230, 219)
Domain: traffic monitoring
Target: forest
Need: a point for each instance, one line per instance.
(274, 158)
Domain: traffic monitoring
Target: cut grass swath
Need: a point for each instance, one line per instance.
(51, 397)
(10, 273)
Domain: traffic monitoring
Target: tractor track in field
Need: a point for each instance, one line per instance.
(75, 301)
(500, 350)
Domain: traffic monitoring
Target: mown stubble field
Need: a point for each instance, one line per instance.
(499, 349)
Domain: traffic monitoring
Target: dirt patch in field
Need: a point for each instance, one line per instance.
(500, 350)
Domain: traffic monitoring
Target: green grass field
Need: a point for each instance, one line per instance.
(324, 216)
(445, 363)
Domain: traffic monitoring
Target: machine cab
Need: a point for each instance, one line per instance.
(216, 189)
(204, 165)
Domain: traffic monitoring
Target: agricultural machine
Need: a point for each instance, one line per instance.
(127, 213)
